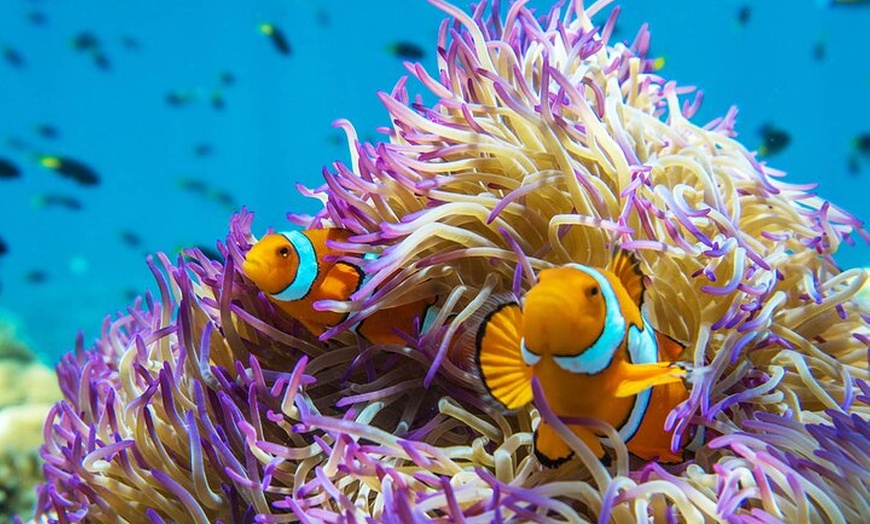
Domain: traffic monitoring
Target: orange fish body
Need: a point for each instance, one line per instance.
(580, 331)
(298, 268)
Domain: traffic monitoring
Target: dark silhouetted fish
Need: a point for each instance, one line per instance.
(408, 50)
(69, 168)
(820, 51)
(8, 170)
(130, 238)
(129, 294)
(47, 131)
(209, 251)
(279, 41)
(102, 61)
(847, 3)
(35, 276)
(37, 18)
(744, 14)
(17, 143)
(853, 164)
(774, 140)
(4, 248)
(193, 185)
(862, 143)
(130, 43)
(13, 57)
(218, 103)
(223, 198)
(57, 200)
(202, 188)
(225, 78)
(85, 41)
(178, 98)
(321, 16)
(860, 148)
(202, 150)
(617, 30)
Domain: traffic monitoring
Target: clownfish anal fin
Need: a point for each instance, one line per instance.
(626, 267)
(341, 281)
(638, 377)
(498, 357)
(550, 450)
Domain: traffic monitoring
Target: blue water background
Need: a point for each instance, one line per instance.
(276, 128)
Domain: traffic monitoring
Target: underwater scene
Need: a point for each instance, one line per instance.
(434, 261)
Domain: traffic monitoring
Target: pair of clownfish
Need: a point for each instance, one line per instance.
(579, 330)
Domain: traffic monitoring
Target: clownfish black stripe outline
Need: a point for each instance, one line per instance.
(363, 280)
(642, 349)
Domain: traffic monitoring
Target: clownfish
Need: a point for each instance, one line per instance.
(295, 269)
(581, 332)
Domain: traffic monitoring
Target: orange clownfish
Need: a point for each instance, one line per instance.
(297, 268)
(581, 332)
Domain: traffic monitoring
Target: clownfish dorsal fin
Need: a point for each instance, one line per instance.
(626, 267)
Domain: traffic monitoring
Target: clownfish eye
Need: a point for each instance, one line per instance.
(284, 251)
(593, 291)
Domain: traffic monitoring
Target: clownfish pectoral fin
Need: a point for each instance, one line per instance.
(341, 281)
(506, 376)
(638, 377)
(626, 267)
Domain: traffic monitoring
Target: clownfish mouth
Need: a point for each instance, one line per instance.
(250, 266)
(267, 277)
(255, 270)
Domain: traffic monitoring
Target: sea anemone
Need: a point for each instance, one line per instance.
(548, 144)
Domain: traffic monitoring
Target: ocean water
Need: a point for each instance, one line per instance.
(798, 65)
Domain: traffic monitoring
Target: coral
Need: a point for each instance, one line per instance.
(20, 470)
(548, 144)
(27, 390)
(11, 348)
(27, 382)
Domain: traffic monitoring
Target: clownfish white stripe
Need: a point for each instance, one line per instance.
(307, 270)
(429, 318)
(642, 345)
(642, 349)
(598, 356)
(529, 358)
